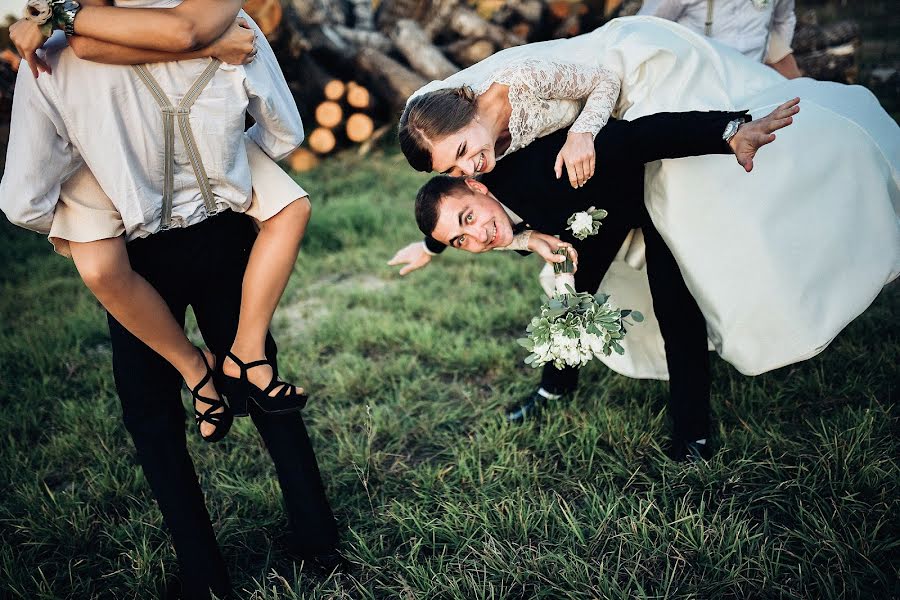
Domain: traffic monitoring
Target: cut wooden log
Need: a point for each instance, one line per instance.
(363, 17)
(329, 114)
(389, 79)
(559, 10)
(359, 127)
(415, 45)
(439, 12)
(358, 96)
(367, 39)
(467, 52)
(334, 89)
(266, 13)
(379, 133)
(10, 58)
(466, 22)
(391, 11)
(321, 140)
(610, 7)
(302, 160)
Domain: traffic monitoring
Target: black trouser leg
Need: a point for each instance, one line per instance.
(150, 392)
(683, 329)
(216, 307)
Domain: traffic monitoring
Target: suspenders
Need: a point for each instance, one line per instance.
(709, 18)
(182, 113)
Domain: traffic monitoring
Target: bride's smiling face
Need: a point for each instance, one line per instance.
(467, 152)
(473, 221)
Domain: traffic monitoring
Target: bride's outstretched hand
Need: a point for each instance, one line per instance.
(546, 245)
(752, 136)
(413, 256)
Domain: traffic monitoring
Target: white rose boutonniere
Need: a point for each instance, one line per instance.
(586, 223)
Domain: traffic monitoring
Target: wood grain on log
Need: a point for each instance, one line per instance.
(363, 17)
(369, 39)
(303, 160)
(359, 127)
(391, 11)
(358, 96)
(266, 13)
(466, 22)
(321, 140)
(329, 114)
(415, 45)
(467, 52)
(334, 89)
(391, 81)
(439, 12)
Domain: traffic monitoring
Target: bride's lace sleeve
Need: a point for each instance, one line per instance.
(557, 80)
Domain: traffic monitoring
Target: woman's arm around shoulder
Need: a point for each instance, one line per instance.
(191, 25)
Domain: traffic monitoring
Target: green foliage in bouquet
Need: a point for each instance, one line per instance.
(572, 327)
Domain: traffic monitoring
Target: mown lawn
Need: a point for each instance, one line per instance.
(436, 497)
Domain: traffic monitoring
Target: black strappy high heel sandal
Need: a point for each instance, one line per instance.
(239, 390)
(221, 419)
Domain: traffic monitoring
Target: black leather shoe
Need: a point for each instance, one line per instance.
(527, 408)
(689, 452)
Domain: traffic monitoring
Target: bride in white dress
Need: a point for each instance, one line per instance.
(780, 259)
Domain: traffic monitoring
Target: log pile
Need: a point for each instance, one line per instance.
(827, 52)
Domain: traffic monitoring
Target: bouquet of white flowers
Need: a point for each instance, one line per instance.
(573, 327)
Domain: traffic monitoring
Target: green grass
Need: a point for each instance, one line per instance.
(436, 498)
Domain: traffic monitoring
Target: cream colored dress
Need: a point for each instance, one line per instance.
(85, 213)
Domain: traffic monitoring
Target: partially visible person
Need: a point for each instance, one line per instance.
(88, 227)
(760, 29)
(176, 178)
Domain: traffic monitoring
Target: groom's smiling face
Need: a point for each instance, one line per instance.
(472, 220)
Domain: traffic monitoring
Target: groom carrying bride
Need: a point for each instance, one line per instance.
(467, 214)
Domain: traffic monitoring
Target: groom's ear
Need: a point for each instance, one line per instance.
(476, 186)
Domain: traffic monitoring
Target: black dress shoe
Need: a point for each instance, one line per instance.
(527, 408)
(689, 452)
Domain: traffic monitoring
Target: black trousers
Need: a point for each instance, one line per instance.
(202, 267)
(681, 323)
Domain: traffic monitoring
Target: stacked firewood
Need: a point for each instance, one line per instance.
(826, 52)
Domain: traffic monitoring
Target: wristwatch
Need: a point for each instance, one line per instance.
(731, 129)
(64, 12)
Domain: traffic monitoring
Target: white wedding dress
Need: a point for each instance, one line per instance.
(780, 260)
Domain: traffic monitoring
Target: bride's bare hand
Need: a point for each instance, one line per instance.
(546, 245)
(752, 136)
(237, 46)
(26, 36)
(579, 157)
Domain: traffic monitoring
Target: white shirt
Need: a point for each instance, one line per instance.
(740, 24)
(106, 117)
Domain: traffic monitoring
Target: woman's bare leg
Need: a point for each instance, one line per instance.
(106, 270)
(271, 261)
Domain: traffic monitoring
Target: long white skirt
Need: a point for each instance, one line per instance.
(780, 260)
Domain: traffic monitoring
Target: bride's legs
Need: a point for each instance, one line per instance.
(271, 262)
(133, 302)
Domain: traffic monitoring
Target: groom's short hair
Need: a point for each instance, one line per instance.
(428, 200)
